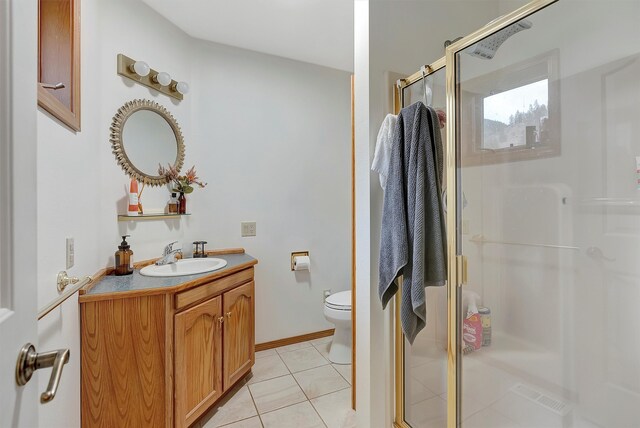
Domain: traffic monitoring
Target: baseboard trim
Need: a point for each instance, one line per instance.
(295, 339)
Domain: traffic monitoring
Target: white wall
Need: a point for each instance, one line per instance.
(79, 182)
(371, 382)
(260, 130)
(274, 135)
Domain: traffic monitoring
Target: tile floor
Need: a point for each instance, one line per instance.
(293, 386)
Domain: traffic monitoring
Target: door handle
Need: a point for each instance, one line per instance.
(29, 361)
(54, 86)
(461, 269)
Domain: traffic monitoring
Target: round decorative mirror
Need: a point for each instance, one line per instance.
(145, 135)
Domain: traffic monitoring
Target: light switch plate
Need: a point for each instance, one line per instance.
(248, 228)
(71, 253)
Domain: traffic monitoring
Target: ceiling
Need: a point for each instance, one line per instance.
(315, 31)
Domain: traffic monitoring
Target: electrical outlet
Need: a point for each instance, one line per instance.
(248, 228)
(326, 293)
(71, 253)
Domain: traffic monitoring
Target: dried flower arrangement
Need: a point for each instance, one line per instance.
(181, 183)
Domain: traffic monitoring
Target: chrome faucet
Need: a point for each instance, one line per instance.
(169, 255)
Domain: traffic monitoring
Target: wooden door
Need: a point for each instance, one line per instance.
(239, 332)
(198, 362)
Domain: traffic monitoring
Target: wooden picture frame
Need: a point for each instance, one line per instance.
(59, 60)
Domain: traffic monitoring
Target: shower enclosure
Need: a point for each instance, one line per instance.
(543, 212)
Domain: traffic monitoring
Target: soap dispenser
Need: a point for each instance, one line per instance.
(124, 258)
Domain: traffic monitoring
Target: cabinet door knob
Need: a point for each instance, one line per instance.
(220, 320)
(228, 314)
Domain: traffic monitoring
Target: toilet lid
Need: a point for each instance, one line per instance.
(341, 300)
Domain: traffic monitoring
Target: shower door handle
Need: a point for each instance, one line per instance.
(461, 269)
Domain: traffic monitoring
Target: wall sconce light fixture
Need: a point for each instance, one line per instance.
(162, 78)
(181, 87)
(140, 72)
(141, 68)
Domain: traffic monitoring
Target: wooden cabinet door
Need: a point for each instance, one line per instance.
(198, 360)
(239, 332)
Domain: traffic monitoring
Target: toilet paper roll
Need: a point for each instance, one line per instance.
(301, 263)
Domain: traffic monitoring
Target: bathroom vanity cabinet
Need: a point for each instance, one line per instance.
(214, 348)
(161, 357)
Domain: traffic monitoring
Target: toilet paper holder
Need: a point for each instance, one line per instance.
(297, 254)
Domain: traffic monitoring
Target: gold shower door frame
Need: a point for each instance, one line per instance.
(456, 262)
(399, 341)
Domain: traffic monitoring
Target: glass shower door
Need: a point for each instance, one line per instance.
(425, 362)
(548, 217)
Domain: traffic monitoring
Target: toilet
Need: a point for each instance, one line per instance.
(337, 310)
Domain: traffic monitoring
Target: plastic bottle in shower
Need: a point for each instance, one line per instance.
(472, 327)
(485, 319)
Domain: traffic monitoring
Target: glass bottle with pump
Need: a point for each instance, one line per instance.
(124, 258)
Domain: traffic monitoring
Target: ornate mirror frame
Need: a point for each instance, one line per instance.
(117, 127)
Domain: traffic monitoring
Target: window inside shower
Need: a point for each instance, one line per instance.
(512, 113)
(516, 117)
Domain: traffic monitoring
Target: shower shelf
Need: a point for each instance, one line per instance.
(480, 239)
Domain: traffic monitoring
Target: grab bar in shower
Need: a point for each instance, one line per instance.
(480, 239)
(611, 202)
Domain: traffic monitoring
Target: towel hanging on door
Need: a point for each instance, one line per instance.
(413, 237)
(382, 151)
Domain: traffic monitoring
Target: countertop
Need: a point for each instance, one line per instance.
(138, 283)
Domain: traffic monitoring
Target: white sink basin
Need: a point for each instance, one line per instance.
(184, 267)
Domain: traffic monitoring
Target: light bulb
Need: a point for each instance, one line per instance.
(182, 87)
(163, 78)
(141, 68)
